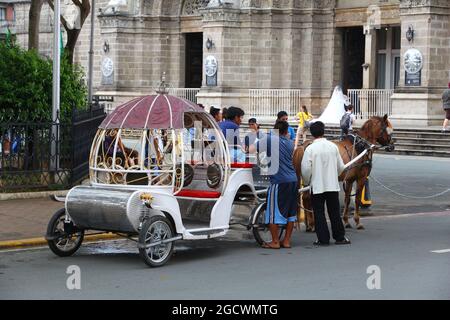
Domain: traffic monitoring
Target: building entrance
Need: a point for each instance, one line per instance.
(194, 60)
(353, 58)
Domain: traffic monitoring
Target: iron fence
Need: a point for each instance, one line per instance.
(28, 161)
(371, 102)
(266, 103)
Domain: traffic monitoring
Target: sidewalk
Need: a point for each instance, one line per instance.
(26, 218)
(23, 222)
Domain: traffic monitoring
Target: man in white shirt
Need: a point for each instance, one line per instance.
(321, 166)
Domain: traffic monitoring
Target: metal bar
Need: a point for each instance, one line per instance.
(148, 246)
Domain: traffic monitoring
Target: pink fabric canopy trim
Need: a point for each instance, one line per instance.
(150, 112)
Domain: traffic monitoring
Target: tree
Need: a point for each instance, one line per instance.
(84, 7)
(33, 27)
(72, 33)
(26, 86)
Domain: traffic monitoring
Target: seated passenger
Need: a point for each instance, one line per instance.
(254, 135)
(127, 156)
(230, 129)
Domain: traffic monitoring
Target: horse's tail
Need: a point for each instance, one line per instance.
(297, 162)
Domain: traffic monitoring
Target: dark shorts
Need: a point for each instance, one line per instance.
(282, 203)
(447, 114)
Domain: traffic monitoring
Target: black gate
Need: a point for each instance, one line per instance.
(84, 128)
(40, 156)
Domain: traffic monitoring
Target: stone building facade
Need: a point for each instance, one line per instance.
(312, 45)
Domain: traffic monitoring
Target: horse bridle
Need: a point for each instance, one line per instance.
(358, 140)
(384, 129)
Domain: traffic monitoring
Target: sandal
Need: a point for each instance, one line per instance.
(267, 246)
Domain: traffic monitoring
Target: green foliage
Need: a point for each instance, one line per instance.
(26, 86)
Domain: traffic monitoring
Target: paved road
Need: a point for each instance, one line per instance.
(412, 176)
(236, 269)
(21, 219)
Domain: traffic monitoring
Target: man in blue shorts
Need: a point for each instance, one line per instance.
(282, 204)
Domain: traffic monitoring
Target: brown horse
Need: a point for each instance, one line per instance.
(377, 130)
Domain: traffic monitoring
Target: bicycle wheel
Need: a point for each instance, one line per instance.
(261, 230)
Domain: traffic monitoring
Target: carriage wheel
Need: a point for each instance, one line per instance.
(156, 229)
(61, 240)
(261, 230)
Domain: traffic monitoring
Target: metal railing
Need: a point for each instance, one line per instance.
(268, 102)
(185, 93)
(26, 156)
(371, 102)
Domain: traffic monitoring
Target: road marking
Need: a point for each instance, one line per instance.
(441, 251)
(407, 215)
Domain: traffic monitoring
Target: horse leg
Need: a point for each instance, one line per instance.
(360, 186)
(348, 192)
(309, 216)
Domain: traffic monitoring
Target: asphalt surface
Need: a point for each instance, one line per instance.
(410, 176)
(400, 236)
(233, 268)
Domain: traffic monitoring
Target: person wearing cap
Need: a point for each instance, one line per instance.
(446, 105)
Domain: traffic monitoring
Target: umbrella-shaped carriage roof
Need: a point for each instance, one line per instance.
(160, 111)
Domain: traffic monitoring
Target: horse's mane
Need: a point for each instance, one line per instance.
(366, 125)
(366, 129)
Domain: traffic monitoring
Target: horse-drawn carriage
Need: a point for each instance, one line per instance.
(160, 171)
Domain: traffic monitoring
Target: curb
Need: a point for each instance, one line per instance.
(37, 242)
(32, 195)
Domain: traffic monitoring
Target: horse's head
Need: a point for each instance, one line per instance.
(380, 130)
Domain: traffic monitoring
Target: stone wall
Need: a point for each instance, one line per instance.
(287, 47)
(430, 19)
(265, 44)
(45, 27)
(258, 44)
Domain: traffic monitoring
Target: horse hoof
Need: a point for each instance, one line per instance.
(348, 226)
(361, 227)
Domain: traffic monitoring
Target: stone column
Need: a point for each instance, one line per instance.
(221, 26)
(422, 105)
(370, 65)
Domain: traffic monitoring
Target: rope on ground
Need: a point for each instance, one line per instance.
(406, 196)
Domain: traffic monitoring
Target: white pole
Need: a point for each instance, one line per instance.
(56, 83)
(91, 52)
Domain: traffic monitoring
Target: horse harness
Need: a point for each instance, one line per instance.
(359, 145)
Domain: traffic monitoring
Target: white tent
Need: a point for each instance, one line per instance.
(335, 109)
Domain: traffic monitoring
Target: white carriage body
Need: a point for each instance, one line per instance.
(180, 158)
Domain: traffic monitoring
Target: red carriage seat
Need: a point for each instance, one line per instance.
(201, 194)
(241, 165)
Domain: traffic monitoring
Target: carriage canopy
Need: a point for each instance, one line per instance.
(160, 141)
(151, 112)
